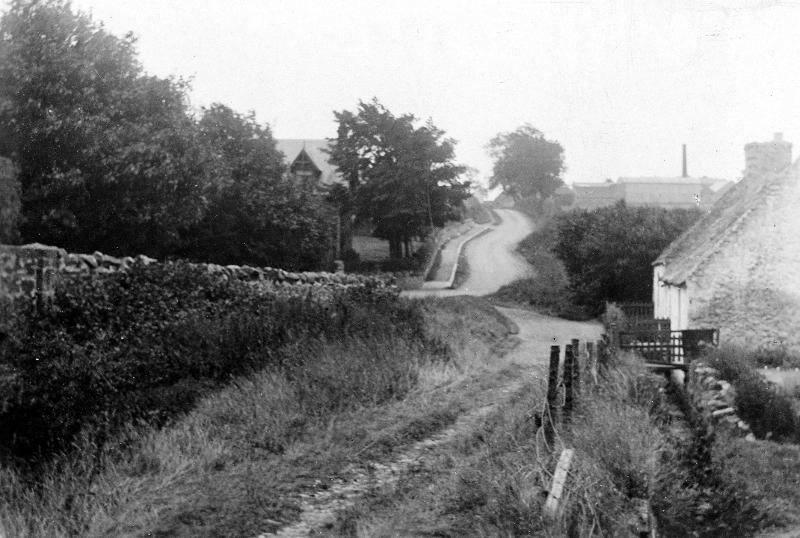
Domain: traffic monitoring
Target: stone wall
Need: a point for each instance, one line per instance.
(32, 271)
(750, 286)
(714, 399)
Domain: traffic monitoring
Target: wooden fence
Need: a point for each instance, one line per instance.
(580, 366)
(665, 347)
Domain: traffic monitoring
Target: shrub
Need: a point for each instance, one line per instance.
(608, 253)
(768, 411)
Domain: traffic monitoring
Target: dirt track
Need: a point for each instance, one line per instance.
(493, 263)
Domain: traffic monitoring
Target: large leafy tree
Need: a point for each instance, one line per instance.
(526, 163)
(402, 178)
(256, 215)
(108, 157)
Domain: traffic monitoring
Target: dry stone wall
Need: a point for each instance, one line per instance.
(32, 271)
(714, 399)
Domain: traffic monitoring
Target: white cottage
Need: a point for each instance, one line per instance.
(738, 268)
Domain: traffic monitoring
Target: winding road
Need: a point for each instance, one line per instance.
(493, 263)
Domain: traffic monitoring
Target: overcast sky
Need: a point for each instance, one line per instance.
(621, 85)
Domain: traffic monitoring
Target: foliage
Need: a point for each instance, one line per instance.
(769, 412)
(9, 203)
(695, 492)
(608, 253)
(526, 163)
(109, 158)
(256, 215)
(402, 178)
(144, 344)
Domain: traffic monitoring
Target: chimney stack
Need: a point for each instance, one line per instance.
(766, 158)
(685, 172)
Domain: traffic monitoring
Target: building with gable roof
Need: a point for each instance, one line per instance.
(307, 160)
(738, 267)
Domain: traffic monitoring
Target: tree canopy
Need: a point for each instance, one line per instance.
(402, 178)
(255, 214)
(112, 159)
(608, 253)
(526, 163)
(107, 155)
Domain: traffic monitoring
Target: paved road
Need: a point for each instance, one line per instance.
(493, 260)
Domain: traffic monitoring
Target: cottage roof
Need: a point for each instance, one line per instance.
(692, 248)
(291, 148)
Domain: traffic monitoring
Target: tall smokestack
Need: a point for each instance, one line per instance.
(685, 173)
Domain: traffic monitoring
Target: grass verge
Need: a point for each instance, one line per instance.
(494, 480)
(236, 464)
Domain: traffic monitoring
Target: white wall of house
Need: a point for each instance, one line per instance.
(670, 301)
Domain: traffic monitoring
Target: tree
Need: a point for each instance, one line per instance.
(256, 215)
(526, 164)
(402, 178)
(108, 158)
(608, 253)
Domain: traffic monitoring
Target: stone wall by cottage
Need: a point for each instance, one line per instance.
(32, 271)
(750, 286)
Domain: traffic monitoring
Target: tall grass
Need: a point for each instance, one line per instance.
(87, 495)
(223, 456)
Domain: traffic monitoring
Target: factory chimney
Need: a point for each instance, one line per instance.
(685, 173)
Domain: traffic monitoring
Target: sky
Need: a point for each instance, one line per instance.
(620, 84)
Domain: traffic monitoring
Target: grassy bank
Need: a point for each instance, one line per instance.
(629, 454)
(236, 463)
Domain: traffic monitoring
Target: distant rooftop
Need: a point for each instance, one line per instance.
(291, 148)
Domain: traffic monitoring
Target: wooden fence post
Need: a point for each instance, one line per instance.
(602, 355)
(552, 396)
(569, 396)
(576, 366)
(591, 365)
(613, 337)
(557, 488)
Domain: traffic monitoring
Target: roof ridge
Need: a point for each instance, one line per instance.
(749, 201)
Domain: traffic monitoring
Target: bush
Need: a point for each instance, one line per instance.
(145, 344)
(608, 253)
(769, 412)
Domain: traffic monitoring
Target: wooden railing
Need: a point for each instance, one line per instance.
(668, 347)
